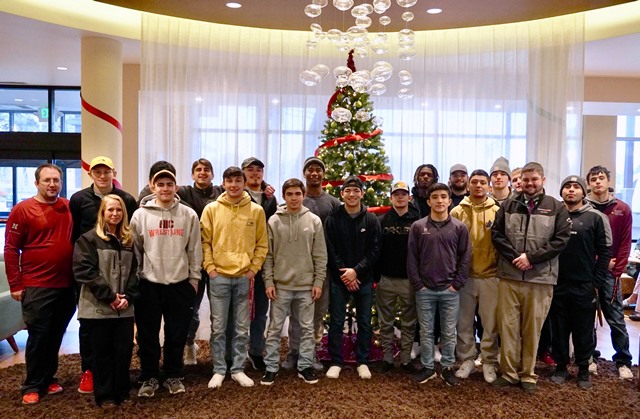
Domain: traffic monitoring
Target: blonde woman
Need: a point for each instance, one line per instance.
(105, 266)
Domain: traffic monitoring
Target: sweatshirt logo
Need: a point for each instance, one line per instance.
(362, 230)
(165, 228)
(250, 223)
(14, 226)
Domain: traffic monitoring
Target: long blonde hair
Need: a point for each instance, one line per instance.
(123, 232)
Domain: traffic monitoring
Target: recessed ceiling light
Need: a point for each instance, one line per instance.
(233, 5)
(17, 100)
(199, 99)
(497, 107)
(62, 68)
(434, 11)
(275, 101)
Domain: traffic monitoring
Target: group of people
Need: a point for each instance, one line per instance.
(488, 255)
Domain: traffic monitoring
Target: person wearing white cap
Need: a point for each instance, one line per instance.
(84, 206)
(458, 183)
(167, 238)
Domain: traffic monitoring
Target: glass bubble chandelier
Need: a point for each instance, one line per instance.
(358, 39)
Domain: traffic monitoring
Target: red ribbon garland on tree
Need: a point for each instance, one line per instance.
(348, 138)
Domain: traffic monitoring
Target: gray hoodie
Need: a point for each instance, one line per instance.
(297, 258)
(167, 241)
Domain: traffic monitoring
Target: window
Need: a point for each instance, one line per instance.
(627, 186)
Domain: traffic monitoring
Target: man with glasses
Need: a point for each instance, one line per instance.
(84, 206)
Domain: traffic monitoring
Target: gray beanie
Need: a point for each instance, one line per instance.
(501, 164)
(577, 179)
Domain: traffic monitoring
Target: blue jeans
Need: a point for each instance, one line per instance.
(225, 293)
(287, 302)
(339, 298)
(614, 315)
(259, 322)
(447, 304)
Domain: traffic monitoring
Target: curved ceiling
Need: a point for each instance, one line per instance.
(289, 14)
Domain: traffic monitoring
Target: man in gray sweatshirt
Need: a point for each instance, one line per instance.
(294, 274)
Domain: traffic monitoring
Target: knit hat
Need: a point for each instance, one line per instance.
(312, 160)
(577, 179)
(458, 168)
(352, 181)
(400, 185)
(501, 164)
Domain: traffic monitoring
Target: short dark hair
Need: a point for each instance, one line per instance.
(293, 183)
(480, 172)
(161, 165)
(438, 187)
(233, 171)
(598, 169)
(422, 166)
(533, 166)
(47, 166)
(203, 162)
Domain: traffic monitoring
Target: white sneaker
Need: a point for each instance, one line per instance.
(625, 373)
(334, 372)
(415, 350)
(437, 355)
(242, 379)
(465, 369)
(478, 360)
(190, 354)
(216, 381)
(593, 368)
(363, 372)
(489, 373)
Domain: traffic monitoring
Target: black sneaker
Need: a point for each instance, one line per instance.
(386, 367)
(268, 378)
(559, 376)
(308, 375)
(257, 362)
(528, 387)
(449, 376)
(425, 375)
(584, 379)
(409, 368)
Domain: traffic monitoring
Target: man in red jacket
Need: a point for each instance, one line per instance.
(38, 255)
(610, 294)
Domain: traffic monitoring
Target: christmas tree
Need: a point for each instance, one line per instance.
(352, 140)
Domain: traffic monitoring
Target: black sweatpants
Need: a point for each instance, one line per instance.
(573, 311)
(175, 303)
(46, 312)
(112, 347)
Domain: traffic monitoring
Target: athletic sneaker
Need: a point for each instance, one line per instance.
(54, 388)
(268, 378)
(528, 387)
(363, 372)
(425, 375)
(334, 371)
(449, 376)
(625, 373)
(31, 398)
(560, 376)
(257, 362)
(216, 381)
(86, 383)
(148, 388)
(242, 379)
(174, 385)
(308, 376)
(190, 354)
(584, 379)
(465, 369)
(489, 373)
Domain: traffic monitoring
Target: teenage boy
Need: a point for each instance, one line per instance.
(255, 185)
(84, 206)
(167, 239)
(478, 213)
(234, 243)
(610, 293)
(516, 180)
(321, 204)
(530, 231)
(459, 183)
(583, 269)
(439, 253)
(394, 289)
(38, 258)
(500, 177)
(424, 176)
(294, 274)
(353, 244)
(198, 196)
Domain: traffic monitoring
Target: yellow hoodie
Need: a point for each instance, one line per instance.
(234, 236)
(479, 219)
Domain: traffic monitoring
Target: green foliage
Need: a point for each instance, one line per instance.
(364, 157)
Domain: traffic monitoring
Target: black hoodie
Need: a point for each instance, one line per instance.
(395, 237)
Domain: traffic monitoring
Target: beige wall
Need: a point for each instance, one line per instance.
(130, 90)
(612, 89)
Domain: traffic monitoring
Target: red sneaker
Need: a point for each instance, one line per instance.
(86, 383)
(31, 398)
(547, 358)
(54, 388)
